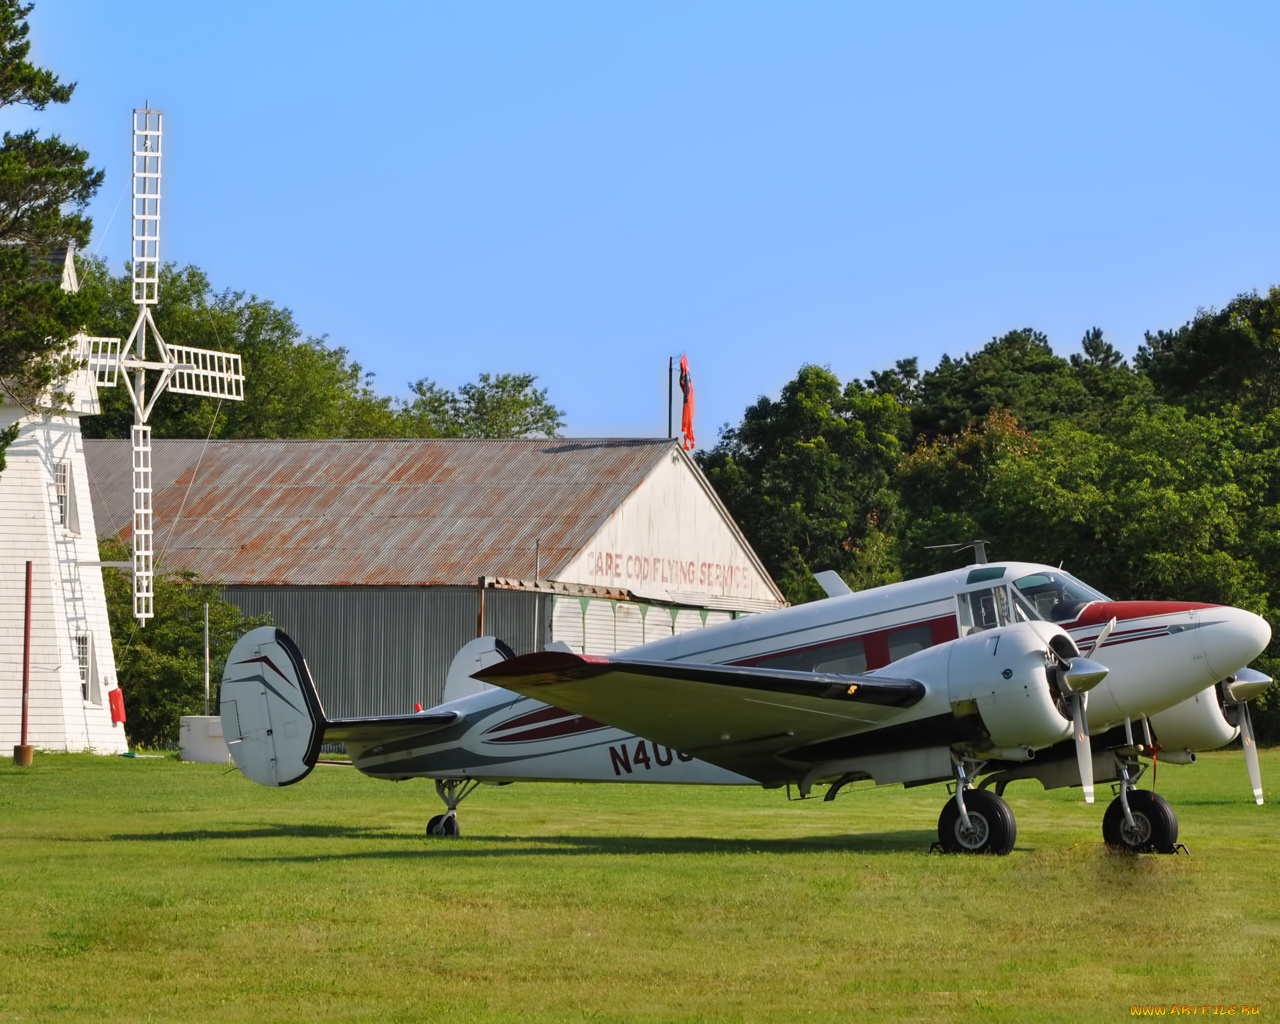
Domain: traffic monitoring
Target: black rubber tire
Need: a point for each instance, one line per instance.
(450, 826)
(994, 828)
(1157, 825)
(433, 827)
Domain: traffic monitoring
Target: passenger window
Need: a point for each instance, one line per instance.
(907, 641)
(847, 657)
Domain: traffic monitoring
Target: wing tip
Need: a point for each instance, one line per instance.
(539, 663)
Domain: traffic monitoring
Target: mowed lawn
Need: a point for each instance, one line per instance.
(153, 890)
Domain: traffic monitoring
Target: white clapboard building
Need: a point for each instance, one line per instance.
(383, 557)
(46, 518)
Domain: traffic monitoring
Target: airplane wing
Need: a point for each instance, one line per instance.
(387, 728)
(740, 718)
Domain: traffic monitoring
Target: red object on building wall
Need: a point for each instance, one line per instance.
(686, 417)
(117, 706)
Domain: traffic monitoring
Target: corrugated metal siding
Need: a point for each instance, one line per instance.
(617, 625)
(601, 637)
(380, 650)
(566, 621)
(509, 615)
(628, 625)
(690, 618)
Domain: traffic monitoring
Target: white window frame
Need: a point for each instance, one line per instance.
(63, 483)
(86, 658)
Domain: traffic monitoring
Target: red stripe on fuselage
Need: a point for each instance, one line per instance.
(565, 727)
(1101, 612)
(543, 714)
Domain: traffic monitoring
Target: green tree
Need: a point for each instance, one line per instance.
(295, 387)
(1110, 383)
(902, 382)
(161, 667)
(951, 489)
(1228, 356)
(1160, 508)
(807, 479)
(507, 405)
(1017, 371)
(45, 187)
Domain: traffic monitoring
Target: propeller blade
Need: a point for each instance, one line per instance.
(1101, 638)
(1084, 750)
(1250, 752)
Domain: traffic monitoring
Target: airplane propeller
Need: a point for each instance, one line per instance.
(1101, 638)
(1237, 692)
(1076, 677)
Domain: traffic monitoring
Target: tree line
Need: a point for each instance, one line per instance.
(1156, 478)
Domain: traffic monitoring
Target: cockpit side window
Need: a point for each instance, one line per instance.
(1024, 610)
(983, 609)
(1055, 596)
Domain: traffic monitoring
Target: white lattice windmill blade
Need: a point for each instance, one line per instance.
(182, 369)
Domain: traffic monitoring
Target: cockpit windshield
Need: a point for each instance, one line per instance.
(1054, 596)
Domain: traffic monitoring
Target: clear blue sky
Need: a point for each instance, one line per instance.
(580, 190)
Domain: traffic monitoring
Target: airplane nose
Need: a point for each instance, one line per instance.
(1231, 637)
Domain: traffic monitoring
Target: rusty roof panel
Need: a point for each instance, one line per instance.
(406, 512)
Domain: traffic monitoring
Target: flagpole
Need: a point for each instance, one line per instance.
(671, 363)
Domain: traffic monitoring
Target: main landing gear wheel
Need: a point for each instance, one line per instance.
(443, 825)
(452, 792)
(1154, 828)
(992, 828)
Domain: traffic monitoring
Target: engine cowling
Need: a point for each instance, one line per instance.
(1006, 677)
(1196, 724)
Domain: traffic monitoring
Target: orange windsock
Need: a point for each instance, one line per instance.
(686, 385)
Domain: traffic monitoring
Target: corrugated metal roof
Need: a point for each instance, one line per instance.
(407, 512)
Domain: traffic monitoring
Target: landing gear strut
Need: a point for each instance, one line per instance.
(1138, 820)
(975, 820)
(452, 792)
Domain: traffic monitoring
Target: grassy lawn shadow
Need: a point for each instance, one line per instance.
(916, 841)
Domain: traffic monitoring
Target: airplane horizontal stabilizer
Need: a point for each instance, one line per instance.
(734, 716)
(387, 727)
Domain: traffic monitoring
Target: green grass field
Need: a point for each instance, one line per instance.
(152, 890)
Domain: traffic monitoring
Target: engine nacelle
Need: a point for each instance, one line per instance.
(1005, 677)
(1195, 724)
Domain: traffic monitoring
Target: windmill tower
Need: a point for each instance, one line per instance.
(46, 519)
(182, 369)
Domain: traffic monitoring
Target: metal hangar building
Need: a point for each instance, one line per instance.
(383, 557)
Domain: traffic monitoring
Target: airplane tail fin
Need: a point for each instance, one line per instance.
(480, 653)
(271, 714)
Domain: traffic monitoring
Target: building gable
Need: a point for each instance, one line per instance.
(672, 540)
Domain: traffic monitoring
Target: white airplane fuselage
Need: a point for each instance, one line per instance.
(1160, 654)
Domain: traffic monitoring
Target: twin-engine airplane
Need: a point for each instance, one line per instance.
(980, 675)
